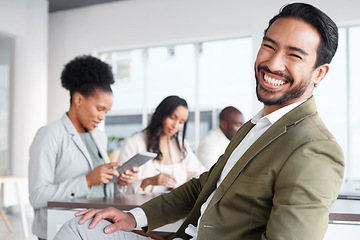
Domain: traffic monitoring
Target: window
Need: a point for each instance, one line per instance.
(209, 75)
(170, 72)
(125, 116)
(226, 78)
(353, 108)
(337, 104)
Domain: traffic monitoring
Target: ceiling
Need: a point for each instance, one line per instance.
(59, 5)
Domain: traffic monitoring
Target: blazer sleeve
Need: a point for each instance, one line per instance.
(303, 193)
(175, 205)
(44, 152)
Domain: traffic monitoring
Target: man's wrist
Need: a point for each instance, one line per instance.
(139, 216)
(132, 218)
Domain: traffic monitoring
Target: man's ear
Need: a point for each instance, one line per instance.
(223, 125)
(320, 73)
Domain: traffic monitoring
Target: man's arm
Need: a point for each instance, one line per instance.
(173, 206)
(159, 211)
(306, 187)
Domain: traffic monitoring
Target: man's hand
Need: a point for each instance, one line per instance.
(102, 174)
(121, 221)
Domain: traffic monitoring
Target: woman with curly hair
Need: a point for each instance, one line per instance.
(68, 158)
(176, 163)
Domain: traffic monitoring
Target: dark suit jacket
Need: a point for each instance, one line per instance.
(281, 188)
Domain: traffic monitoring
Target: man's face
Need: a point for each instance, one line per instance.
(284, 67)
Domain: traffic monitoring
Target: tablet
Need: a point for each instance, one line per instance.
(136, 161)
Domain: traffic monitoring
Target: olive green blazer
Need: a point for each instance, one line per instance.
(281, 188)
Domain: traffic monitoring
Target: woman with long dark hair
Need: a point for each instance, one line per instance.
(176, 163)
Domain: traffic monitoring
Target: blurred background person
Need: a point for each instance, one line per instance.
(176, 163)
(213, 145)
(68, 158)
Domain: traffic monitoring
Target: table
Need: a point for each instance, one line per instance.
(344, 220)
(345, 211)
(344, 215)
(120, 201)
(61, 211)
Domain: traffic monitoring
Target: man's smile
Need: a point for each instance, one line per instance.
(273, 81)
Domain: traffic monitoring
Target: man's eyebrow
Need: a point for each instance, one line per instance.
(265, 38)
(298, 50)
(289, 47)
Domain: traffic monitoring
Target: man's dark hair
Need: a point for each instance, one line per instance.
(226, 113)
(320, 21)
(85, 74)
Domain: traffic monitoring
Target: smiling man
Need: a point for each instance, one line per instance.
(286, 67)
(281, 171)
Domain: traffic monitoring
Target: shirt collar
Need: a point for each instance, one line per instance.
(276, 115)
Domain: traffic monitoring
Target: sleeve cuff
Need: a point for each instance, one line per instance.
(140, 217)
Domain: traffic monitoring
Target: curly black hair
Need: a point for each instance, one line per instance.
(85, 74)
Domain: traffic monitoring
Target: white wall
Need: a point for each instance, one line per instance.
(140, 23)
(13, 11)
(26, 21)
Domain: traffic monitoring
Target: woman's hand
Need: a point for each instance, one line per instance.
(128, 177)
(102, 174)
(121, 221)
(160, 179)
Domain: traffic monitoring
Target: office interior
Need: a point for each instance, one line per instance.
(35, 44)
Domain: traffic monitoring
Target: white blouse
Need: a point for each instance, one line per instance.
(184, 167)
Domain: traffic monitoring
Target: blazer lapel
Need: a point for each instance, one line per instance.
(239, 136)
(276, 130)
(76, 138)
(215, 175)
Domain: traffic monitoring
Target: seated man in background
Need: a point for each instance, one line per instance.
(213, 145)
(281, 171)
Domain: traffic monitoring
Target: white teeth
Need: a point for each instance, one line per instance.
(273, 81)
